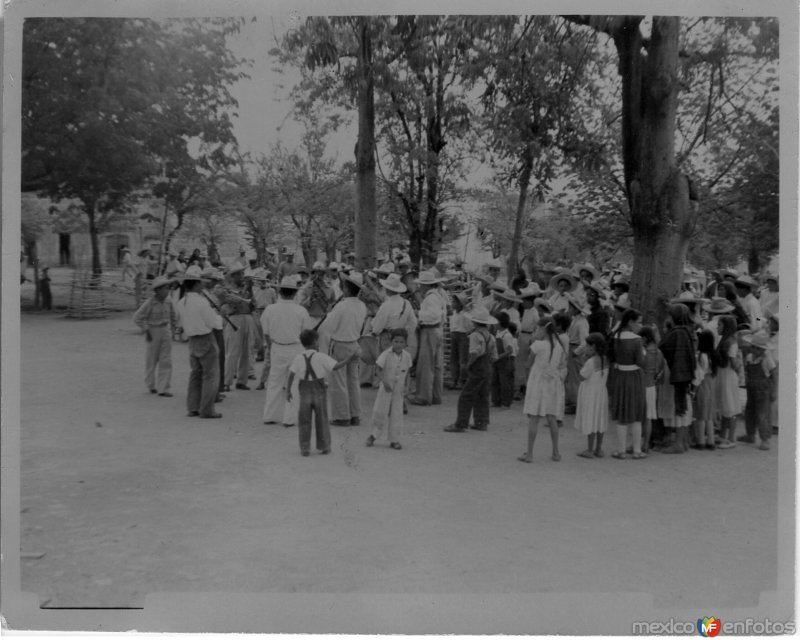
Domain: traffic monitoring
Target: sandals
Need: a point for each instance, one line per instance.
(618, 455)
(524, 458)
(639, 456)
(395, 445)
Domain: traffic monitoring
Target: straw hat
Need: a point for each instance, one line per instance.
(586, 267)
(688, 297)
(333, 266)
(564, 275)
(718, 305)
(356, 278)
(235, 268)
(746, 281)
(509, 295)
(288, 282)
(161, 281)
(531, 291)
(481, 316)
(318, 266)
(392, 282)
(428, 278)
(498, 287)
(386, 267)
(212, 274)
(576, 304)
(756, 340)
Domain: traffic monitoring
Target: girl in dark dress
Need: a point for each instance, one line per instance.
(626, 384)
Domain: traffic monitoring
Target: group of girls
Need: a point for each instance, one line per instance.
(670, 394)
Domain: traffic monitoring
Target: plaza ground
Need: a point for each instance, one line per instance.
(124, 496)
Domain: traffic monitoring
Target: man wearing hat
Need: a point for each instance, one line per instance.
(282, 323)
(263, 296)
(474, 397)
(155, 318)
(745, 287)
(199, 322)
(394, 313)
(350, 259)
(430, 352)
(174, 267)
(235, 302)
(460, 328)
(316, 295)
(561, 284)
(213, 288)
(344, 326)
(287, 267)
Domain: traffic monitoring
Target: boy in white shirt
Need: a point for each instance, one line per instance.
(312, 368)
(391, 368)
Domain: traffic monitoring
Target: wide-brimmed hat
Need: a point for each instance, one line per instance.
(160, 281)
(498, 286)
(746, 281)
(356, 278)
(482, 316)
(193, 273)
(586, 267)
(392, 282)
(688, 297)
(564, 275)
(718, 305)
(729, 273)
(405, 262)
(531, 291)
(333, 266)
(288, 282)
(318, 266)
(428, 277)
(508, 294)
(756, 340)
(236, 267)
(386, 267)
(212, 274)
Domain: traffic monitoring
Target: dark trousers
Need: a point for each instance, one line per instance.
(474, 397)
(219, 336)
(756, 412)
(459, 346)
(503, 382)
(204, 375)
(313, 397)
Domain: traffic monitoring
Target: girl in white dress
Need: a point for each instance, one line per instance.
(544, 391)
(591, 415)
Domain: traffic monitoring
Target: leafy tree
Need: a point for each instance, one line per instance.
(110, 104)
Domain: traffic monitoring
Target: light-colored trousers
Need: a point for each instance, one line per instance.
(237, 349)
(256, 341)
(159, 355)
(387, 414)
(345, 391)
(430, 363)
(276, 409)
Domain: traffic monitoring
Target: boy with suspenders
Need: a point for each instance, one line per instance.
(312, 368)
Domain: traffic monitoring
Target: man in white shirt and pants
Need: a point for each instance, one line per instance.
(430, 355)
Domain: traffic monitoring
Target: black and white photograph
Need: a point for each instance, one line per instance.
(398, 318)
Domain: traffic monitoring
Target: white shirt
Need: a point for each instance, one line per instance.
(753, 310)
(321, 364)
(460, 322)
(395, 367)
(432, 310)
(504, 335)
(197, 316)
(345, 322)
(284, 320)
(395, 312)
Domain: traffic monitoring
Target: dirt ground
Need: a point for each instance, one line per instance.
(125, 496)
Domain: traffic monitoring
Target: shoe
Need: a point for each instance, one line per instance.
(763, 446)
(454, 429)
(618, 455)
(639, 456)
(676, 448)
(192, 414)
(260, 387)
(748, 439)
(226, 388)
(153, 391)
(482, 427)
(524, 458)
(212, 415)
(586, 454)
(354, 422)
(419, 403)
(340, 423)
(699, 447)
(244, 387)
(599, 453)
(305, 454)
(370, 440)
(556, 457)
(397, 446)
(325, 452)
(710, 447)
(726, 444)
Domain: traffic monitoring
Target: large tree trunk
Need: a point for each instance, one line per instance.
(524, 182)
(415, 247)
(97, 268)
(366, 238)
(658, 193)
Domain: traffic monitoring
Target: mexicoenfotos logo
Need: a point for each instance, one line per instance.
(708, 627)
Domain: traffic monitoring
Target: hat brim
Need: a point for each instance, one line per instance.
(727, 309)
(400, 288)
(488, 321)
(584, 267)
(431, 282)
(562, 276)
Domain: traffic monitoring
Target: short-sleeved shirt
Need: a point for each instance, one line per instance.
(508, 340)
(283, 322)
(395, 367)
(321, 364)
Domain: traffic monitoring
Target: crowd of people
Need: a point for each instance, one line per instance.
(567, 341)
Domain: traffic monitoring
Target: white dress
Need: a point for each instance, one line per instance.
(544, 391)
(591, 415)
